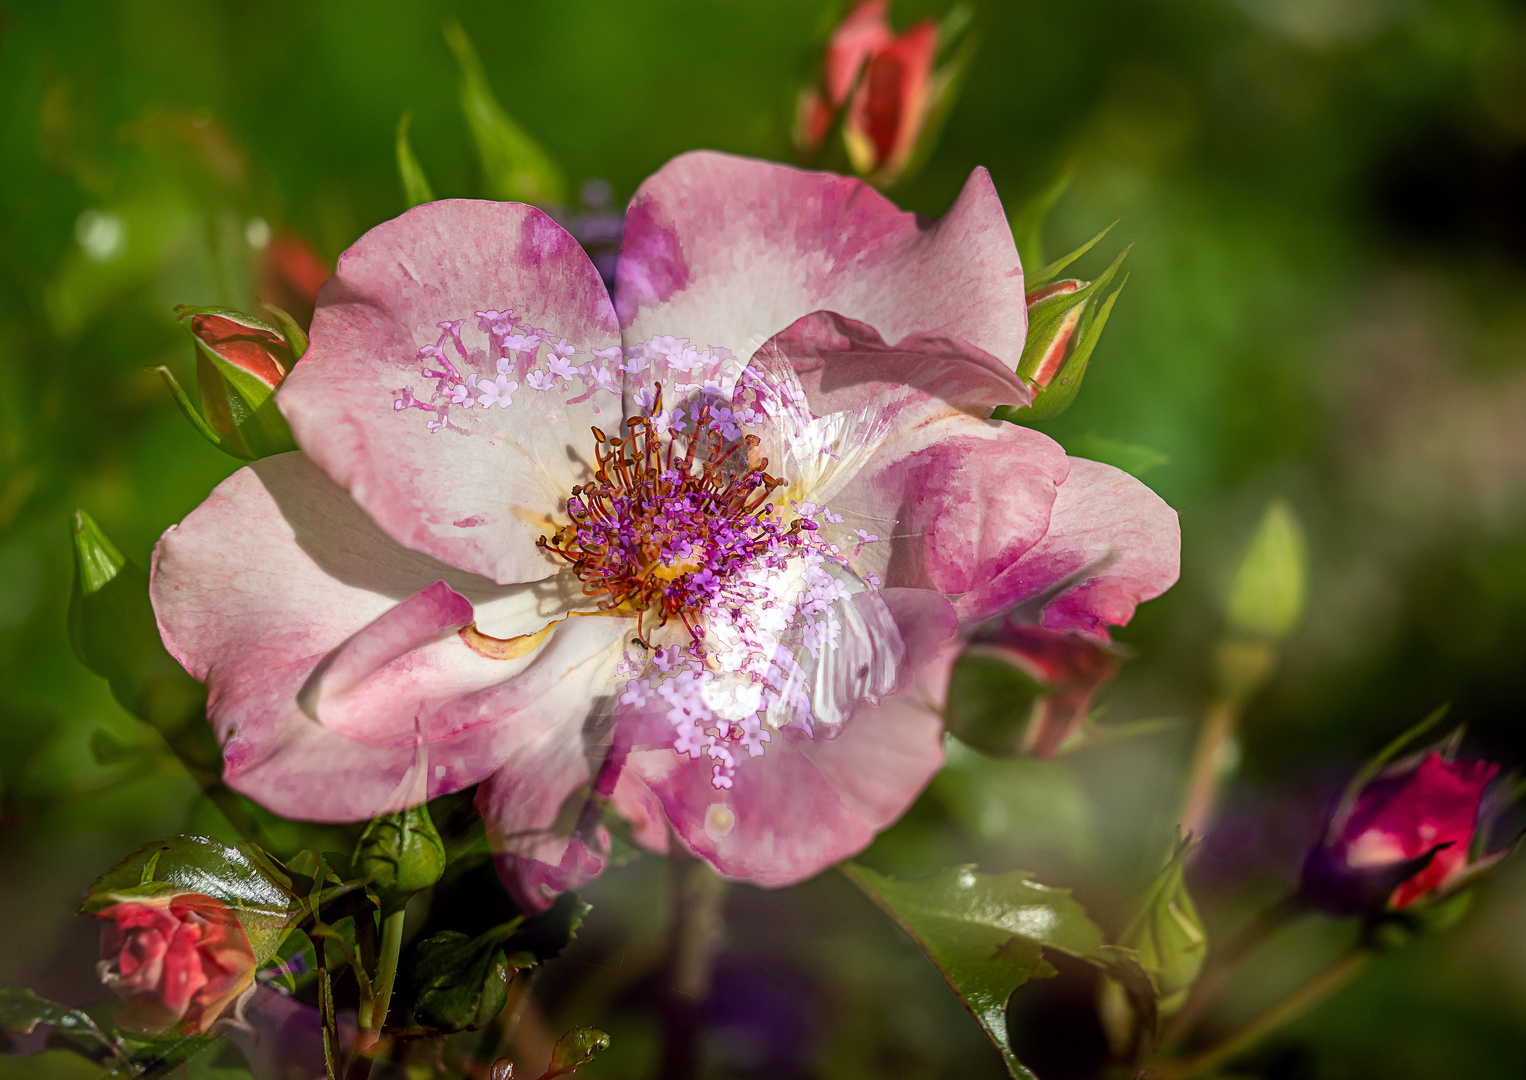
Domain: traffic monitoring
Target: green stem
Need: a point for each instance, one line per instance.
(1340, 972)
(329, 1021)
(386, 968)
(1208, 761)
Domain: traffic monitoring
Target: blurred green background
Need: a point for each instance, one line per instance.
(1327, 303)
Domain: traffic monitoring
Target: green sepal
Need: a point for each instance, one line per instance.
(1052, 271)
(574, 1050)
(416, 189)
(1167, 934)
(289, 329)
(400, 854)
(987, 934)
(1027, 224)
(113, 632)
(190, 412)
(516, 167)
(256, 887)
(1266, 598)
(990, 703)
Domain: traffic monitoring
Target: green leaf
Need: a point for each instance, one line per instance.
(114, 634)
(1266, 598)
(52, 1065)
(254, 885)
(22, 1010)
(460, 982)
(987, 934)
(416, 189)
(574, 1050)
(516, 167)
(1131, 458)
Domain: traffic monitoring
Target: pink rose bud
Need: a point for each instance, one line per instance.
(1053, 352)
(291, 273)
(178, 961)
(1404, 839)
(240, 363)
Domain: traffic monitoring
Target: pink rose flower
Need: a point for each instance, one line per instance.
(647, 581)
(1406, 837)
(178, 961)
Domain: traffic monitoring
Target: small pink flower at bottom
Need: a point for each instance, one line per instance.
(178, 961)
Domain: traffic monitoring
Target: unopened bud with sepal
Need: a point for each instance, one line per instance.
(400, 854)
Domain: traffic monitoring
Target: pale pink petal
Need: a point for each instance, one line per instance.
(478, 491)
(1103, 519)
(728, 251)
(279, 572)
(805, 803)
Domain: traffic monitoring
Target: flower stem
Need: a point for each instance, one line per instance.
(327, 1018)
(386, 970)
(1208, 764)
(695, 931)
(1221, 965)
(1332, 978)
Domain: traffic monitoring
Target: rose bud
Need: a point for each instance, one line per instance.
(862, 32)
(291, 273)
(1403, 839)
(400, 854)
(1065, 321)
(1026, 689)
(177, 960)
(887, 89)
(240, 362)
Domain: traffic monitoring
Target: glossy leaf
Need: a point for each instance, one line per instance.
(574, 1050)
(416, 189)
(250, 882)
(21, 1011)
(516, 167)
(987, 934)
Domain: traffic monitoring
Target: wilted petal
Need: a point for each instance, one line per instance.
(728, 251)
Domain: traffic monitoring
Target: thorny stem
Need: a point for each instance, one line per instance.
(386, 975)
(694, 938)
(1332, 978)
(1221, 965)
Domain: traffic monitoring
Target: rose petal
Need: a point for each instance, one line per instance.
(478, 496)
(299, 572)
(729, 251)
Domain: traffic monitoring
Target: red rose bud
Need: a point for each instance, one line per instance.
(1405, 838)
(178, 961)
(240, 362)
(1065, 321)
(889, 90)
(1026, 689)
(890, 106)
